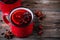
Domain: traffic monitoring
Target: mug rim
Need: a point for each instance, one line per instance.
(20, 9)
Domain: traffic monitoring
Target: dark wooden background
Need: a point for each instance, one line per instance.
(51, 8)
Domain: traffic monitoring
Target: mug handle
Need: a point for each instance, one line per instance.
(5, 19)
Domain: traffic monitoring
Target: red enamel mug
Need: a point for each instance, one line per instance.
(19, 19)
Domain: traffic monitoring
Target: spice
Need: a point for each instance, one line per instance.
(39, 14)
(8, 34)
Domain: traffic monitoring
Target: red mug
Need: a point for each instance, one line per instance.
(19, 19)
